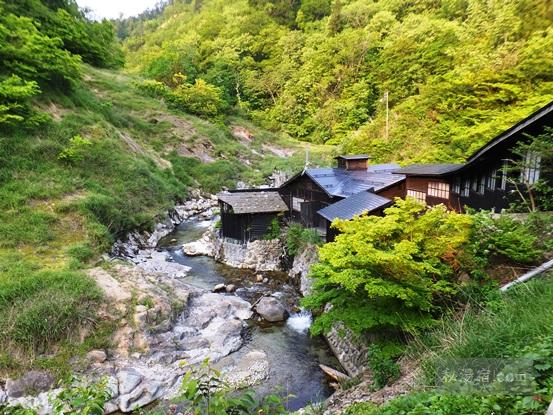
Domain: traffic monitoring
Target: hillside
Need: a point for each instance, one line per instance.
(456, 72)
(110, 161)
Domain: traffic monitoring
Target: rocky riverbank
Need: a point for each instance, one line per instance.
(163, 325)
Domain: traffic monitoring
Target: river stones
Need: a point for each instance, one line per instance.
(219, 287)
(31, 383)
(96, 356)
(203, 246)
(271, 309)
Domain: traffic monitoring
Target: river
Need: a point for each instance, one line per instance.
(293, 354)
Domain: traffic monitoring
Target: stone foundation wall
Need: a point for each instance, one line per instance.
(258, 255)
(350, 349)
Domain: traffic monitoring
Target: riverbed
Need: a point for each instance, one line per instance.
(293, 354)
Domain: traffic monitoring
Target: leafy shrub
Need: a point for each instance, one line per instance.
(502, 237)
(75, 398)
(153, 88)
(200, 98)
(76, 149)
(297, 238)
(204, 392)
(391, 272)
(384, 369)
(15, 94)
(273, 231)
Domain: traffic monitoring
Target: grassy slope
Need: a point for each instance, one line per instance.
(58, 216)
(509, 326)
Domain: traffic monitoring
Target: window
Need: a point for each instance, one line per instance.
(482, 185)
(474, 184)
(465, 187)
(457, 185)
(492, 179)
(504, 174)
(420, 196)
(296, 203)
(531, 168)
(438, 189)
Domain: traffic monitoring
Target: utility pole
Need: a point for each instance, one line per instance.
(387, 115)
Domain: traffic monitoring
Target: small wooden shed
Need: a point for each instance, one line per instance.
(247, 214)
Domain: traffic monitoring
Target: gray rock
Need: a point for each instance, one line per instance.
(230, 288)
(271, 309)
(129, 379)
(31, 383)
(3, 396)
(97, 356)
(219, 287)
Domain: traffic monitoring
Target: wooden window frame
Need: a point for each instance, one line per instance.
(440, 190)
(417, 194)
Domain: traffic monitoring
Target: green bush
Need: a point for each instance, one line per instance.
(297, 238)
(153, 88)
(76, 149)
(200, 98)
(502, 238)
(273, 230)
(384, 368)
(395, 272)
(204, 392)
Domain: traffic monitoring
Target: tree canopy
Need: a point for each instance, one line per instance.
(457, 71)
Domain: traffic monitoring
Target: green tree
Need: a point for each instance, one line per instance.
(390, 272)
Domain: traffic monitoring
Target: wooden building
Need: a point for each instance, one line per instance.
(247, 214)
(483, 181)
(312, 190)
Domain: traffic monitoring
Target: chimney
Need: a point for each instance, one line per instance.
(353, 162)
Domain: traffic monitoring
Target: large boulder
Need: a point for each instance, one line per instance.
(203, 246)
(271, 309)
(31, 383)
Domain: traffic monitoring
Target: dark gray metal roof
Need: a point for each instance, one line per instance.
(354, 157)
(344, 183)
(254, 202)
(354, 205)
(428, 169)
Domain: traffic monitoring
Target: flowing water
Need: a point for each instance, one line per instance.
(293, 355)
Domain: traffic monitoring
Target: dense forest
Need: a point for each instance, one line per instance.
(455, 72)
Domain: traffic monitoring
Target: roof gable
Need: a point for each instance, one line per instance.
(254, 202)
(354, 205)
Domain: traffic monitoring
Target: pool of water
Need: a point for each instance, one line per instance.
(293, 354)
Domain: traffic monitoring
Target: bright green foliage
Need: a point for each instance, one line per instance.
(395, 271)
(14, 95)
(76, 149)
(153, 88)
(62, 19)
(457, 72)
(199, 98)
(27, 52)
(205, 392)
(497, 239)
(41, 46)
